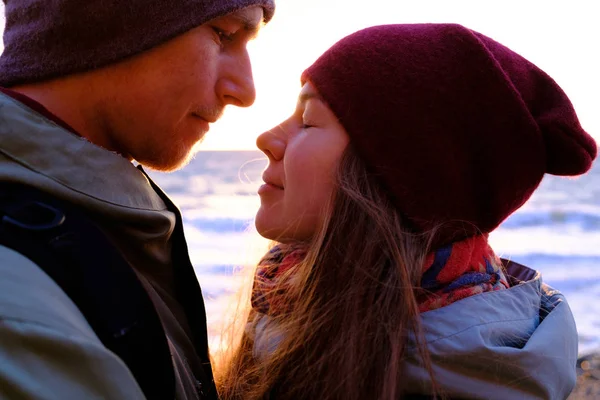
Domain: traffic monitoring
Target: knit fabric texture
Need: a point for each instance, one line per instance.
(276, 267)
(460, 270)
(46, 39)
(458, 128)
(454, 272)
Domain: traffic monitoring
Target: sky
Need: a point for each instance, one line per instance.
(560, 37)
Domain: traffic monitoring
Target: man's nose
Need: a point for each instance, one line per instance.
(236, 87)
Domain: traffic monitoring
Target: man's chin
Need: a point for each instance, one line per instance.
(168, 162)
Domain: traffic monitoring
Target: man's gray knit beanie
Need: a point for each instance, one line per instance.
(46, 39)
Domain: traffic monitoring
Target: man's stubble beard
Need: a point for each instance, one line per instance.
(178, 156)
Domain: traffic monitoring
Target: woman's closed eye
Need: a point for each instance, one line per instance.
(307, 122)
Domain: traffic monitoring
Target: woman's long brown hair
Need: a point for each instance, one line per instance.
(353, 307)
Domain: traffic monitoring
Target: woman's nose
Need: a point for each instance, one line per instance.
(271, 144)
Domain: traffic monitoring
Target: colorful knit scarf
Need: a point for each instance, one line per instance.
(460, 270)
(452, 273)
(274, 265)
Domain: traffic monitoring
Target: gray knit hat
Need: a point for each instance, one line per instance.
(45, 39)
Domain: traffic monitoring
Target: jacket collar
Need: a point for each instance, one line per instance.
(518, 273)
(39, 144)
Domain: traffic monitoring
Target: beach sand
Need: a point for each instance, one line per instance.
(588, 379)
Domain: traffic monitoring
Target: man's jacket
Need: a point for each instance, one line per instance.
(47, 348)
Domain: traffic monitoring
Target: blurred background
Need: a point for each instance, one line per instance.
(557, 232)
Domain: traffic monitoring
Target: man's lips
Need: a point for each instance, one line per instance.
(203, 121)
(209, 114)
(209, 120)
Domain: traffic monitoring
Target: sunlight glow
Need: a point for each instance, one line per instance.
(558, 36)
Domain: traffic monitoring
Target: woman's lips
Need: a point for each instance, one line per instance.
(268, 187)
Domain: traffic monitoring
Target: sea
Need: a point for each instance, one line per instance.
(557, 232)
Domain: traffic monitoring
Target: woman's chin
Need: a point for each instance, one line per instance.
(262, 226)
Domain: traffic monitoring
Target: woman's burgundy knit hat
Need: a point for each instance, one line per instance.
(458, 128)
(46, 39)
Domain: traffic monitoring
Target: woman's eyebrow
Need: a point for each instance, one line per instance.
(304, 97)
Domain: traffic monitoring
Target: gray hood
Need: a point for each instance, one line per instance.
(519, 343)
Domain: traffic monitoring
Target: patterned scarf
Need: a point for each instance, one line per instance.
(271, 268)
(452, 273)
(459, 270)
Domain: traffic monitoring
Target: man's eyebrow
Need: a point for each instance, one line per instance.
(249, 24)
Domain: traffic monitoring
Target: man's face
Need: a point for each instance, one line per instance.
(163, 100)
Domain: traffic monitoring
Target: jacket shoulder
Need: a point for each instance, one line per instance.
(514, 343)
(46, 345)
(28, 294)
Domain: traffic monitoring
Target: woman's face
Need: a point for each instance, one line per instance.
(303, 153)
